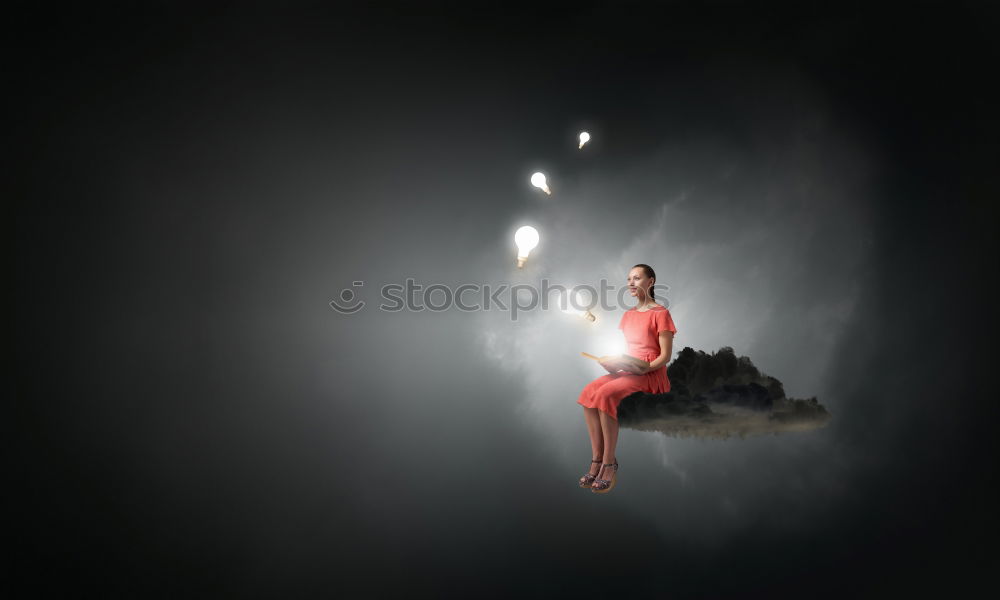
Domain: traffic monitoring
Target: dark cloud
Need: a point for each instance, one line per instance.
(720, 395)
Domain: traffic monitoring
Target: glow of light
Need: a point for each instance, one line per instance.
(538, 180)
(570, 310)
(526, 238)
(584, 138)
(610, 344)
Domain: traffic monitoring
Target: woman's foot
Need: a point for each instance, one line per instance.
(586, 480)
(606, 479)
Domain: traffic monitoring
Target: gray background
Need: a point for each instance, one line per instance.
(192, 187)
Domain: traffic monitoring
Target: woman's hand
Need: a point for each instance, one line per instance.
(635, 369)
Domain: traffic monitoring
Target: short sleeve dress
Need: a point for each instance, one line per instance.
(642, 330)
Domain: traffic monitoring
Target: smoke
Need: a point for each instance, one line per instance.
(761, 242)
(758, 252)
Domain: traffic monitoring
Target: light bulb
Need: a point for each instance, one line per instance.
(584, 138)
(538, 180)
(526, 239)
(586, 314)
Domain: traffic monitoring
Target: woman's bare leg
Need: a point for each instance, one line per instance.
(596, 437)
(609, 427)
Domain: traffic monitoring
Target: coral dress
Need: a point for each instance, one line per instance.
(642, 330)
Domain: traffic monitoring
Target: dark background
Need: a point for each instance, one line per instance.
(192, 184)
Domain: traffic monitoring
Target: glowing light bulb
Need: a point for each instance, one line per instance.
(526, 239)
(586, 314)
(538, 180)
(584, 138)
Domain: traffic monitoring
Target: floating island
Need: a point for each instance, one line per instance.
(719, 396)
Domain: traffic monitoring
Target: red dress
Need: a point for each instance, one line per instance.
(642, 331)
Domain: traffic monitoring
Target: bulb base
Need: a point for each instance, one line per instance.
(520, 261)
(589, 316)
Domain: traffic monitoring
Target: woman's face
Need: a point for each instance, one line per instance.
(639, 283)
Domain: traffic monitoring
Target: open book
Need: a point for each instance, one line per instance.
(625, 357)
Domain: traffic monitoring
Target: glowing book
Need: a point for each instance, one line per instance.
(625, 357)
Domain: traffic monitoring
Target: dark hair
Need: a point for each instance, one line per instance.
(649, 273)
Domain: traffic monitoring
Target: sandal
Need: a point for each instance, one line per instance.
(588, 478)
(603, 486)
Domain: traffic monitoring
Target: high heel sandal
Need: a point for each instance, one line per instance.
(588, 478)
(603, 486)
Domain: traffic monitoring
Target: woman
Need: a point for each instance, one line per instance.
(649, 331)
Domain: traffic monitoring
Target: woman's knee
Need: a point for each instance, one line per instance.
(622, 386)
(599, 382)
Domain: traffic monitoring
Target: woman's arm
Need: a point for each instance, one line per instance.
(666, 350)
